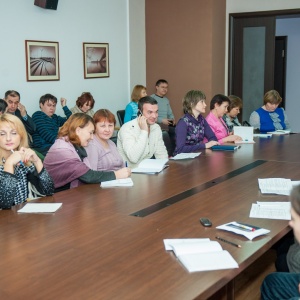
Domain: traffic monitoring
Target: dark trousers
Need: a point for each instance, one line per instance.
(169, 138)
(281, 286)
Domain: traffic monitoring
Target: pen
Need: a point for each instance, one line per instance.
(126, 164)
(20, 162)
(228, 242)
(244, 227)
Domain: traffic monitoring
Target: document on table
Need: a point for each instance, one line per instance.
(263, 135)
(40, 208)
(117, 182)
(185, 156)
(280, 186)
(201, 254)
(271, 210)
(280, 132)
(150, 166)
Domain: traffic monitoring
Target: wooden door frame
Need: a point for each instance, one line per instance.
(233, 17)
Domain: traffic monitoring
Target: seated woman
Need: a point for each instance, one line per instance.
(102, 153)
(138, 92)
(19, 164)
(270, 117)
(192, 128)
(3, 106)
(84, 104)
(67, 161)
(234, 108)
(218, 107)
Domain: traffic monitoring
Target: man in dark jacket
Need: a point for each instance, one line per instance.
(15, 107)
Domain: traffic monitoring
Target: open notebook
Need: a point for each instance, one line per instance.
(150, 166)
(245, 132)
(200, 254)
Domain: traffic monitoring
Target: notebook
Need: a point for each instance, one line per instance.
(201, 254)
(150, 166)
(225, 147)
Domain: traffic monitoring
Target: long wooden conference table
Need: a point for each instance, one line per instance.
(108, 243)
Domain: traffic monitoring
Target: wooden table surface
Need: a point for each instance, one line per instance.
(108, 243)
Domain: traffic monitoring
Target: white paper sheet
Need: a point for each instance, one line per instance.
(40, 208)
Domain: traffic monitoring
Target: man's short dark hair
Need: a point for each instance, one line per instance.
(12, 93)
(47, 97)
(159, 81)
(145, 100)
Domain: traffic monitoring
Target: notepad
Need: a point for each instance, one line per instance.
(151, 166)
(117, 182)
(245, 132)
(271, 210)
(185, 156)
(238, 229)
(201, 254)
(40, 208)
(225, 147)
(279, 186)
(280, 132)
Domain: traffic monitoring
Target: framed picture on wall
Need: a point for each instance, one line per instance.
(95, 60)
(42, 61)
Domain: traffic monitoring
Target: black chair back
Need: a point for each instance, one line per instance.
(121, 115)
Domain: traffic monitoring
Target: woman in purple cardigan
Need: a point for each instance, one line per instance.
(102, 152)
(192, 131)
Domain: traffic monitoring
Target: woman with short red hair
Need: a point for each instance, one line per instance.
(102, 152)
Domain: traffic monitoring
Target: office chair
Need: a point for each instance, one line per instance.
(121, 115)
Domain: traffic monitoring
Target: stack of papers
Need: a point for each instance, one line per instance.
(271, 210)
(40, 208)
(279, 186)
(249, 231)
(200, 254)
(185, 156)
(117, 182)
(151, 166)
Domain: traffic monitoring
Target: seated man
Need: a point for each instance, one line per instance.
(48, 123)
(15, 107)
(283, 285)
(141, 138)
(165, 114)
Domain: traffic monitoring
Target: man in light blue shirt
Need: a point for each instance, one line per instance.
(165, 113)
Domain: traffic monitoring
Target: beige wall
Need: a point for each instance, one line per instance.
(185, 44)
